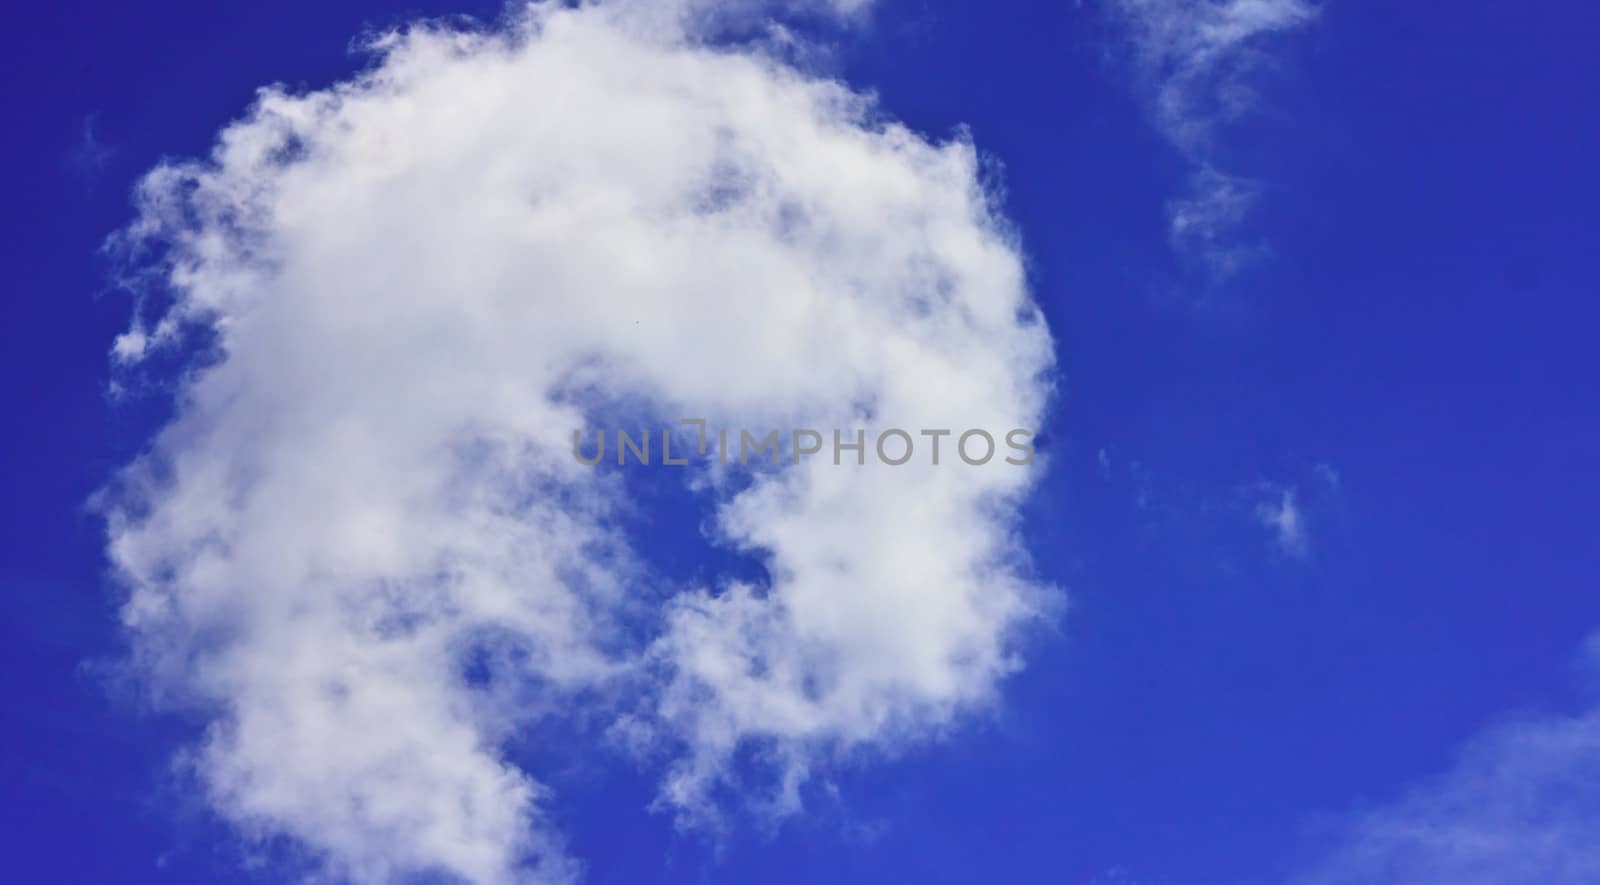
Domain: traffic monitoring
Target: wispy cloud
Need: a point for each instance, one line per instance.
(89, 154)
(1522, 804)
(1280, 514)
(363, 548)
(1195, 59)
(1204, 221)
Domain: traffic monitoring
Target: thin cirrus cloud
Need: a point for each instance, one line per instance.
(1280, 513)
(412, 286)
(1290, 511)
(1521, 804)
(1195, 58)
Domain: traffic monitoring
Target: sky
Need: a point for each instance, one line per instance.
(299, 581)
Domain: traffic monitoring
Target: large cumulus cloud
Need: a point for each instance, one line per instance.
(414, 285)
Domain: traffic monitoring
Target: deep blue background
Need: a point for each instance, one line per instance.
(1424, 324)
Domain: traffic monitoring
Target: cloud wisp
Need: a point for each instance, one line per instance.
(1195, 58)
(1522, 804)
(362, 547)
(1280, 514)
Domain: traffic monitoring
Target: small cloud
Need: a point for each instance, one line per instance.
(89, 155)
(1202, 223)
(1195, 58)
(1197, 55)
(1281, 514)
(1327, 475)
(1103, 462)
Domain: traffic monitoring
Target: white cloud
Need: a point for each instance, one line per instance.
(1522, 804)
(419, 282)
(1194, 56)
(91, 154)
(1281, 514)
(1203, 221)
(1327, 475)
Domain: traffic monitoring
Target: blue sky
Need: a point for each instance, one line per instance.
(1319, 501)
